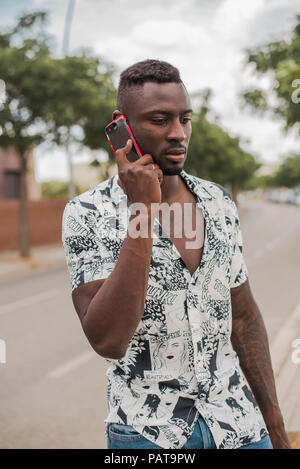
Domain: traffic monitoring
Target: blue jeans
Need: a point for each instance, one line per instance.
(120, 436)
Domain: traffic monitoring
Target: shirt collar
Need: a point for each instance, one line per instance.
(197, 185)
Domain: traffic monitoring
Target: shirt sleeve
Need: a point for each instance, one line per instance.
(85, 255)
(239, 271)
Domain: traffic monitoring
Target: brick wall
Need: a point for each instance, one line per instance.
(45, 217)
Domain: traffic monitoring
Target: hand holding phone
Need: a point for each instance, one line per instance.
(141, 179)
(117, 133)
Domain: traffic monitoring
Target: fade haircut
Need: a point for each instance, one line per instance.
(139, 73)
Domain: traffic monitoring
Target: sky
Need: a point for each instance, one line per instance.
(206, 39)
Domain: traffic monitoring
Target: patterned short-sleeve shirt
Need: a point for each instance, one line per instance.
(180, 362)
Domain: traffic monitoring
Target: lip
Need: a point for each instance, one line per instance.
(176, 151)
(175, 157)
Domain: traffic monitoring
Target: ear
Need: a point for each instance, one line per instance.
(116, 114)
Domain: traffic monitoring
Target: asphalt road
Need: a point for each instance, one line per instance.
(53, 385)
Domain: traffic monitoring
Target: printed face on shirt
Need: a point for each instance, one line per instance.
(166, 354)
(168, 396)
(175, 351)
(148, 409)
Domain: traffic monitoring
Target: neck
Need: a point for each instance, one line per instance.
(170, 188)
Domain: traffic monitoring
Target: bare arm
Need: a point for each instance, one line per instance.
(111, 309)
(249, 340)
(113, 313)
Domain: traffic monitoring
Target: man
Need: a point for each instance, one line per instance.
(178, 324)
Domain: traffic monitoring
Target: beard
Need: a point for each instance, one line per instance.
(171, 171)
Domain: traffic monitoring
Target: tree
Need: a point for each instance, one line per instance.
(216, 156)
(58, 189)
(280, 60)
(49, 99)
(288, 174)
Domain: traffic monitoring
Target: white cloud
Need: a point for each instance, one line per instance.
(233, 17)
(169, 33)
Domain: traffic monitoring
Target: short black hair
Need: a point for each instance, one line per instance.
(139, 73)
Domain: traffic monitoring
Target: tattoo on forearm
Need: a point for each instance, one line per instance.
(249, 340)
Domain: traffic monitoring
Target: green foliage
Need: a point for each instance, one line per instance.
(46, 97)
(216, 156)
(49, 99)
(281, 59)
(256, 99)
(260, 182)
(58, 189)
(288, 174)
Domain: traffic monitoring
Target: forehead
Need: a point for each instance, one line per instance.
(170, 97)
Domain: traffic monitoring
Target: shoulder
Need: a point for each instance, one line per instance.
(219, 197)
(225, 192)
(217, 191)
(91, 200)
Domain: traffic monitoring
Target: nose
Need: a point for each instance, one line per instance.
(176, 131)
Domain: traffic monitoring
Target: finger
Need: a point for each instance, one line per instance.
(144, 160)
(160, 176)
(122, 152)
(152, 166)
(156, 170)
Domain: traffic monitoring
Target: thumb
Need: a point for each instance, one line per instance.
(122, 152)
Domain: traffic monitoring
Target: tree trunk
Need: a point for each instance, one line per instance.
(24, 228)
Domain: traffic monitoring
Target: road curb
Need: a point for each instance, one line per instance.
(42, 258)
(17, 273)
(284, 338)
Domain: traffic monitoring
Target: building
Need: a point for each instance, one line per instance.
(10, 169)
(87, 176)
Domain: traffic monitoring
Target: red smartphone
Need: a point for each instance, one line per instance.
(117, 133)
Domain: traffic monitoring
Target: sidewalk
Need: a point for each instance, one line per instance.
(287, 374)
(41, 258)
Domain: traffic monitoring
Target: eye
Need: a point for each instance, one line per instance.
(186, 120)
(159, 121)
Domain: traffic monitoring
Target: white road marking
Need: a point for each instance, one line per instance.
(268, 247)
(286, 372)
(280, 347)
(71, 364)
(30, 300)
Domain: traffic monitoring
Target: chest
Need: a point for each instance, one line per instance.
(184, 224)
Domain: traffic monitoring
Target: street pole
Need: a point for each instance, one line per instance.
(68, 23)
(71, 184)
(65, 52)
